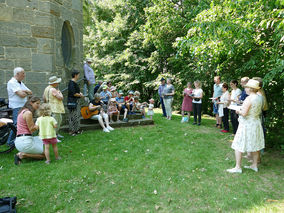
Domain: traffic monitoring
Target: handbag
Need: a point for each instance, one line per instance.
(8, 204)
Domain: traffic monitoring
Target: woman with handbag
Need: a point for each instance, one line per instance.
(74, 111)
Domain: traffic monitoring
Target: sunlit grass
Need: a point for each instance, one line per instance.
(168, 167)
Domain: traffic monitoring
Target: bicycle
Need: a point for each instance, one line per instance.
(6, 129)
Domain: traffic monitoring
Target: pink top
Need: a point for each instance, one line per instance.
(22, 127)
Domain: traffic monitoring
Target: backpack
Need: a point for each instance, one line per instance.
(8, 204)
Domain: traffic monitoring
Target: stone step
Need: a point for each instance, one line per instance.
(135, 122)
(130, 117)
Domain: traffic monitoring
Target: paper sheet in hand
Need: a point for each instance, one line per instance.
(234, 107)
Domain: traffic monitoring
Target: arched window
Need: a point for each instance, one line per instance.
(67, 42)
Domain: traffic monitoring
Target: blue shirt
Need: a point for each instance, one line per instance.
(243, 96)
(106, 95)
(89, 73)
(119, 100)
(217, 90)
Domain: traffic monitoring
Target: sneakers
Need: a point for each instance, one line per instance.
(58, 141)
(224, 131)
(252, 168)
(184, 120)
(125, 120)
(106, 130)
(234, 170)
(110, 128)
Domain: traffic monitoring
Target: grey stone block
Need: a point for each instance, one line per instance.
(6, 14)
(8, 40)
(42, 62)
(37, 89)
(7, 64)
(36, 77)
(11, 28)
(25, 63)
(2, 77)
(1, 50)
(9, 74)
(32, 4)
(27, 42)
(17, 52)
(42, 32)
(77, 5)
(2, 1)
(41, 20)
(45, 45)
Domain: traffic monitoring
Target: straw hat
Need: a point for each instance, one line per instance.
(54, 80)
(120, 92)
(113, 88)
(252, 84)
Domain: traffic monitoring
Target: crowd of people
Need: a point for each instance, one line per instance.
(246, 109)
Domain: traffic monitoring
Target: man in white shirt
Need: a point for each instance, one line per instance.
(17, 92)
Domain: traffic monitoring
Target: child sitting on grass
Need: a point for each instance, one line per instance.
(112, 110)
(47, 133)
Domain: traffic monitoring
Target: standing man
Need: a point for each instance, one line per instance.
(90, 77)
(17, 96)
(54, 97)
(17, 92)
(160, 91)
(217, 93)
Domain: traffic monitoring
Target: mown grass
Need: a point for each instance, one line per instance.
(168, 167)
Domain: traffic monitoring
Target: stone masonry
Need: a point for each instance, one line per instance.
(31, 37)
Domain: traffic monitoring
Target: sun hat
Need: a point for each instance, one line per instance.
(120, 92)
(131, 92)
(89, 60)
(151, 99)
(105, 86)
(113, 88)
(54, 80)
(252, 84)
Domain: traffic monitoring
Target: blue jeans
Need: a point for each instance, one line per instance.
(163, 107)
(12, 136)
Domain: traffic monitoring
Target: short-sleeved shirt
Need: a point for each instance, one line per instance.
(119, 100)
(13, 86)
(197, 93)
(217, 90)
(105, 96)
(99, 103)
(73, 88)
(168, 89)
(46, 127)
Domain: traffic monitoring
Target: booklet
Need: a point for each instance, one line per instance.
(235, 107)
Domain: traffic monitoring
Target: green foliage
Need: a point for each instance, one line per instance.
(135, 43)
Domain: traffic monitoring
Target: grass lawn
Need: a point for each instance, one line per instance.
(168, 167)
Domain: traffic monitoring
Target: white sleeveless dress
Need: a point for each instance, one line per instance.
(249, 136)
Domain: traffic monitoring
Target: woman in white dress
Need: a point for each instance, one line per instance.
(249, 136)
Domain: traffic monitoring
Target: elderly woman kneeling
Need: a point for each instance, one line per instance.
(249, 136)
(28, 146)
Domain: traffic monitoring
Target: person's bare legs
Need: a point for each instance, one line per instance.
(254, 159)
(101, 122)
(110, 116)
(182, 113)
(105, 116)
(125, 113)
(46, 152)
(118, 114)
(238, 156)
(55, 150)
(188, 114)
(23, 155)
(218, 120)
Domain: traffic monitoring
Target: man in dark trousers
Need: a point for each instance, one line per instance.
(160, 91)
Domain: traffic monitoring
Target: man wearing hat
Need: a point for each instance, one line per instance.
(90, 78)
(54, 97)
(160, 91)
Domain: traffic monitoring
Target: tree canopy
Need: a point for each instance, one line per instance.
(136, 42)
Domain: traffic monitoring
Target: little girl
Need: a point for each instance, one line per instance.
(47, 131)
(151, 108)
(187, 102)
(112, 109)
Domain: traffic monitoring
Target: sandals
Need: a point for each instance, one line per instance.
(17, 159)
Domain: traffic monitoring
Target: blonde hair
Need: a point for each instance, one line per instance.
(44, 110)
(137, 93)
(198, 83)
(244, 79)
(261, 91)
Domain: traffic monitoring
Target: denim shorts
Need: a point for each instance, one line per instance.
(215, 108)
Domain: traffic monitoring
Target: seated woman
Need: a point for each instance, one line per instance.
(28, 146)
(97, 105)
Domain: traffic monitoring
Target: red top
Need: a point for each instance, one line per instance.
(22, 127)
